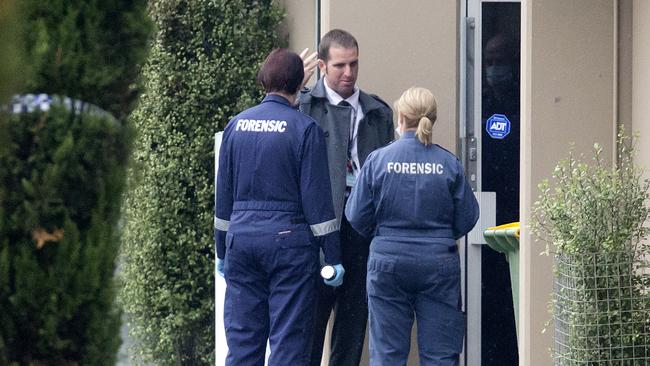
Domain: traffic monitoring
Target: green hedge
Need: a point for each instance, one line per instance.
(60, 171)
(201, 71)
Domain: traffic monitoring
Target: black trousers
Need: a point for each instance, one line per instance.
(349, 302)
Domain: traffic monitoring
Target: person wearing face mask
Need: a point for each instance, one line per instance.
(498, 76)
(501, 88)
(270, 220)
(413, 197)
(355, 123)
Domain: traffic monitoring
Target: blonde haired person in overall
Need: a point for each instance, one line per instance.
(412, 196)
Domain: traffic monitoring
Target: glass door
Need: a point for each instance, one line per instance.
(489, 142)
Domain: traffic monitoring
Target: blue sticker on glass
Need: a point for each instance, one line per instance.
(497, 126)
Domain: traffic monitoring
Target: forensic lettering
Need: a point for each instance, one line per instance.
(260, 125)
(414, 168)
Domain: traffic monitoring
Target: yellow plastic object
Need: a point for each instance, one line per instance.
(505, 239)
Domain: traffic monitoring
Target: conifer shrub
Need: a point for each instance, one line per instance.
(62, 177)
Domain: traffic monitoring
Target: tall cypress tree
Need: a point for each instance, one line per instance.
(62, 174)
(201, 71)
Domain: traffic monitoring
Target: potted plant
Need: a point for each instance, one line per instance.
(592, 217)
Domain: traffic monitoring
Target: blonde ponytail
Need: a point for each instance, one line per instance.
(424, 131)
(420, 110)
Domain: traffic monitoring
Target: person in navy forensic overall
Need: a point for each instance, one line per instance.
(413, 196)
(273, 212)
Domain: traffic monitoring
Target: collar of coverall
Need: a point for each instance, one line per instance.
(275, 98)
(408, 134)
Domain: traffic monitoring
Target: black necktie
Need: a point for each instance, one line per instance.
(345, 103)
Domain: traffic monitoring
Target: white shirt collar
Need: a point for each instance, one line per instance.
(334, 98)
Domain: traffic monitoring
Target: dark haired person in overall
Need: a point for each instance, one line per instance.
(355, 123)
(412, 195)
(270, 220)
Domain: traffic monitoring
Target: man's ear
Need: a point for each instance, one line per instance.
(322, 65)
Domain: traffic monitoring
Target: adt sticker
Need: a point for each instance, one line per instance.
(497, 126)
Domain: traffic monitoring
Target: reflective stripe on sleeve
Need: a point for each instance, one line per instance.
(325, 228)
(221, 224)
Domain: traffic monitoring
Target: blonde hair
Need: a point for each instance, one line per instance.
(420, 109)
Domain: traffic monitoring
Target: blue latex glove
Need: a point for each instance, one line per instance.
(220, 264)
(338, 277)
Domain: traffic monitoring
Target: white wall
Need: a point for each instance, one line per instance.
(568, 96)
(641, 80)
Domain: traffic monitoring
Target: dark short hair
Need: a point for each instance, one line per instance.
(337, 37)
(282, 71)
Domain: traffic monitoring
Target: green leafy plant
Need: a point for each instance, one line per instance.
(594, 207)
(201, 71)
(593, 219)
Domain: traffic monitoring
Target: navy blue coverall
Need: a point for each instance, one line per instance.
(416, 201)
(273, 209)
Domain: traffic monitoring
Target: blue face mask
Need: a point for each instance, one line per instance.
(498, 75)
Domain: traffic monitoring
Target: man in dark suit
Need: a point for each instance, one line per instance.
(355, 124)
